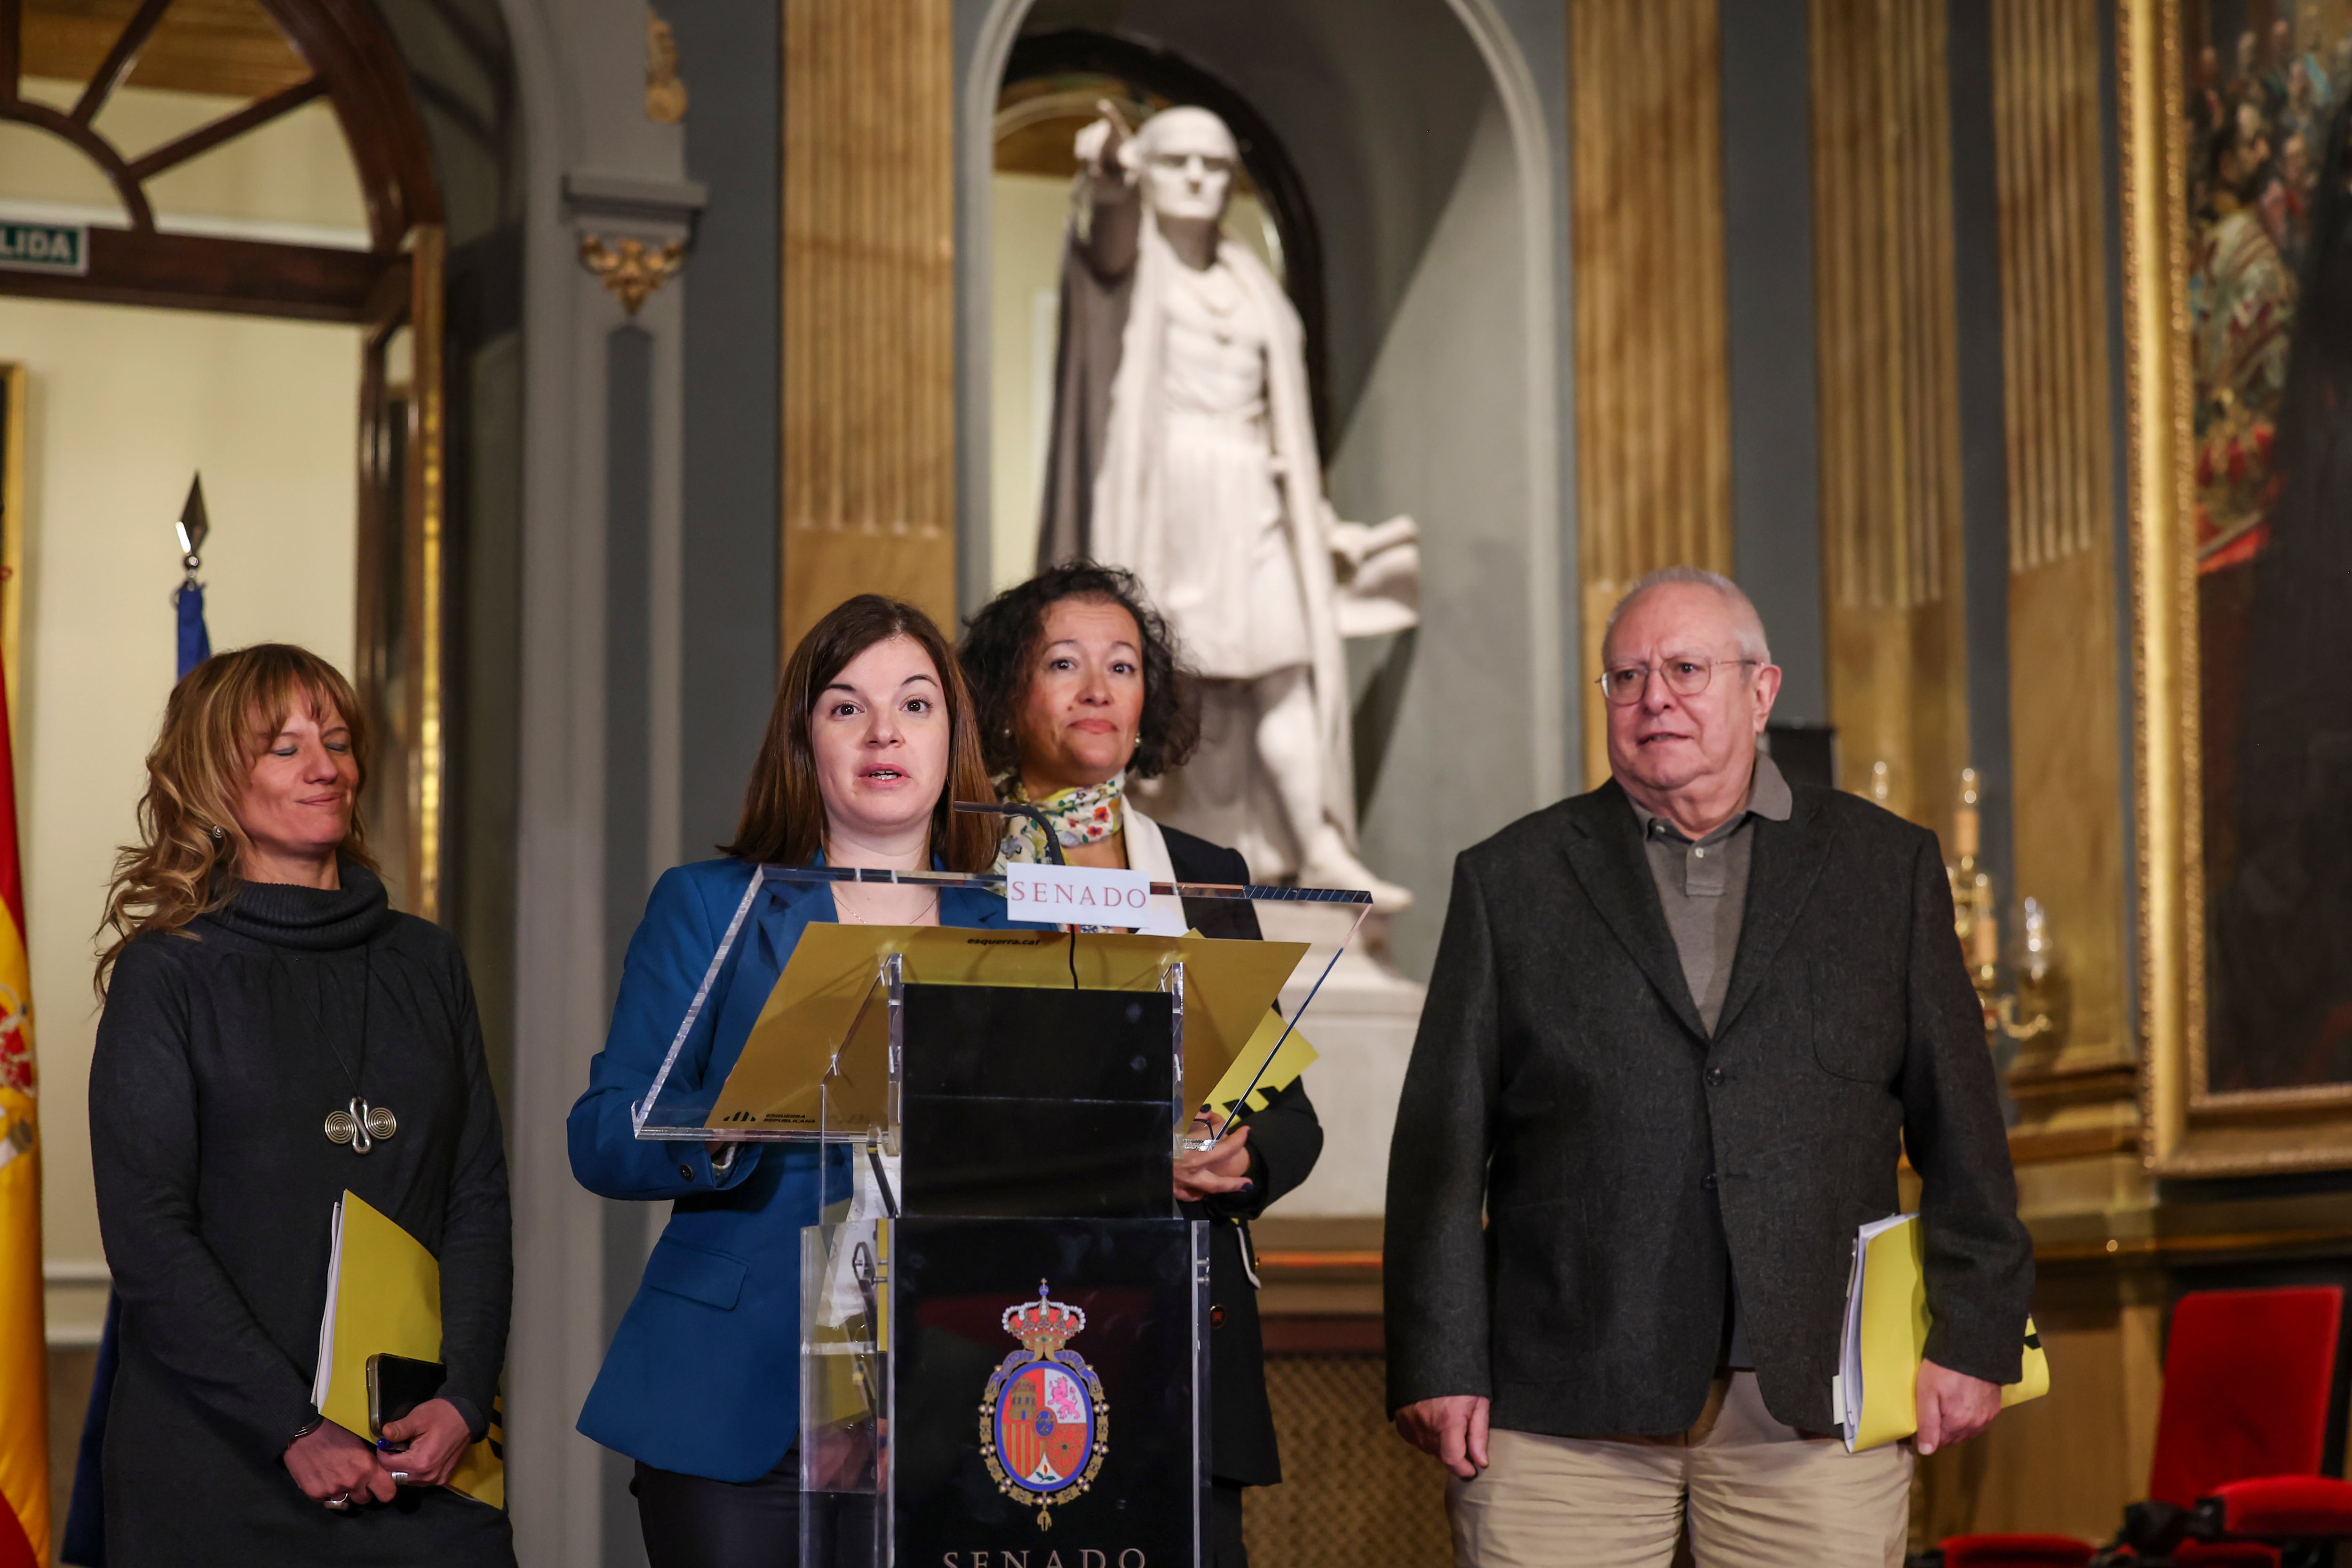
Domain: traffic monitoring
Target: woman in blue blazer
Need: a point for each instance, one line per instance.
(871, 738)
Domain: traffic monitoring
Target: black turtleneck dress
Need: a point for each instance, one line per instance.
(219, 1054)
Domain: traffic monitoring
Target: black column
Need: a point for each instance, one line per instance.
(1984, 451)
(730, 58)
(1767, 236)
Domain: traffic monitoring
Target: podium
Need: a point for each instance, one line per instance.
(1004, 1332)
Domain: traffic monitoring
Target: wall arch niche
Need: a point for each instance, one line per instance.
(1420, 162)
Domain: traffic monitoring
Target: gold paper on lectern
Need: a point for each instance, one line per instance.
(827, 1019)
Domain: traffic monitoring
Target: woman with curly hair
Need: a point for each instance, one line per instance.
(1079, 690)
(274, 1035)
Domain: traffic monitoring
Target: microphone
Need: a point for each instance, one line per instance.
(1020, 808)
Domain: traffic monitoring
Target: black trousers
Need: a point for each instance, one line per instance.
(692, 1521)
(1226, 1548)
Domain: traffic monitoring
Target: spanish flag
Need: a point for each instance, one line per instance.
(24, 1351)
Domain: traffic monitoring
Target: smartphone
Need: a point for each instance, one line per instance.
(398, 1385)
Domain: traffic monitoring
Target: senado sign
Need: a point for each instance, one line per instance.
(58, 247)
(1086, 895)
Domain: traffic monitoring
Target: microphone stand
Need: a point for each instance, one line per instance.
(1052, 848)
(1020, 808)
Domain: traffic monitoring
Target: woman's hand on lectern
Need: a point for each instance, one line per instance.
(1223, 1167)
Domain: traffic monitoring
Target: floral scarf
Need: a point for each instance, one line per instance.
(1080, 817)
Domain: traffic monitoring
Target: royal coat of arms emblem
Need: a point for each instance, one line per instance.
(1045, 1425)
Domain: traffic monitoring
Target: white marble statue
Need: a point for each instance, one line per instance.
(1183, 450)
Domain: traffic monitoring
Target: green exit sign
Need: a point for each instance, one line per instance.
(62, 248)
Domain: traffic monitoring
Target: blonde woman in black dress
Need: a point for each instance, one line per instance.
(259, 981)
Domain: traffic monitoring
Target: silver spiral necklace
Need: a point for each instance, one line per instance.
(356, 1123)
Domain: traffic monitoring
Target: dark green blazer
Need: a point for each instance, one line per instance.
(1628, 1164)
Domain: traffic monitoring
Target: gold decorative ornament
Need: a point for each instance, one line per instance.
(629, 268)
(666, 97)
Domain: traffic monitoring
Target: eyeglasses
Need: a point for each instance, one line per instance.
(1686, 675)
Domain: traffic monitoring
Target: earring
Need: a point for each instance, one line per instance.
(215, 832)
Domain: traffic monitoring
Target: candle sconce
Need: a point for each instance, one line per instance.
(2026, 1022)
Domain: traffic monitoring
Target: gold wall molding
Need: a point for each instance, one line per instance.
(2166, 741)
(400, 628)
(632, 271)
(12, 522)
(868, 306)
(2054, 284)
(666, 95)
(2065, 674)
(1653, 391)
(1885, 323)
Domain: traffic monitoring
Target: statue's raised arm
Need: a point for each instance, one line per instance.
(1106, 234)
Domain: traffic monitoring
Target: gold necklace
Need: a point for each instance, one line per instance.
(856, 919)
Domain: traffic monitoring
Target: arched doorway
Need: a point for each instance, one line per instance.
(265, 61)
(277, 242)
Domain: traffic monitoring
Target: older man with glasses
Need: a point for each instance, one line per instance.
(1680, 1033)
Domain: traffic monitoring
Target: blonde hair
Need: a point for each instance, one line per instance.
(221, 716)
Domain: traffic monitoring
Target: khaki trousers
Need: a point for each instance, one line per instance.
(1748, 1489)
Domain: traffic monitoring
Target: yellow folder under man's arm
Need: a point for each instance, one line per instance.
(1893, 1333)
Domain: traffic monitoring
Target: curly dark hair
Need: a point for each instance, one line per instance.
(999, 646)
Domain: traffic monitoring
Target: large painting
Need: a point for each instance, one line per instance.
(2237, 207)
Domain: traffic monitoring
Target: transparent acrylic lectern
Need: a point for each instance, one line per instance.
(1004, 1317)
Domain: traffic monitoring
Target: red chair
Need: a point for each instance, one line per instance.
(2241, 1442)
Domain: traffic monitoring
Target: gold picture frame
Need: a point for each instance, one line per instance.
(2186, 1128)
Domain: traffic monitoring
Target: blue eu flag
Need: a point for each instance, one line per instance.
(196, 642)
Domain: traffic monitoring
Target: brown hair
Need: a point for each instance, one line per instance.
(219, 718)
(783, 816)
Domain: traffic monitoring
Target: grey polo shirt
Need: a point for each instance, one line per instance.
(1703, 885)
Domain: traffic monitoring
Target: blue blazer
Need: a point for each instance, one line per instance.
(703, 1375)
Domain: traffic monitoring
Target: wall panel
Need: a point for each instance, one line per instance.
(2064, 682)
(1653, 408)
(1889, 422)
(869, 306)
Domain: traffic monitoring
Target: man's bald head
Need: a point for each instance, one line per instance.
(1689, 685)
(1746, 626)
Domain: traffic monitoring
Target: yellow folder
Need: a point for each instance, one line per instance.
(1876, 1388)
(822, 1026)
(1280, 1068)
(384, 1297)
